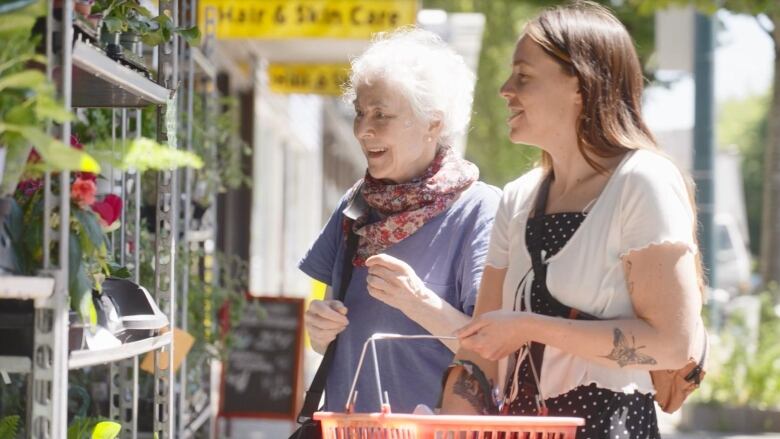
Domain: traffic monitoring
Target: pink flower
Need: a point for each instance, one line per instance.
(109, 209)
(82, 192)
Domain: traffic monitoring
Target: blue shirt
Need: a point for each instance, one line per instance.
(448, 254)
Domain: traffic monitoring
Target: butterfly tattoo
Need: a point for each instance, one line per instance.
(625, 354)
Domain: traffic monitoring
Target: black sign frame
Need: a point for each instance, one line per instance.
(231, 405)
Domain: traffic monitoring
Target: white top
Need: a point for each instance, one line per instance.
(644, 202)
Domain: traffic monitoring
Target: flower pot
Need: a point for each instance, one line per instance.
(129, 41)
(83, 7)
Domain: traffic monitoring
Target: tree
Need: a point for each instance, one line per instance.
(744, 123)
(499, 160)
(767, 12)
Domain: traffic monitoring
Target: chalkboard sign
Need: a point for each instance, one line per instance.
(260, 378)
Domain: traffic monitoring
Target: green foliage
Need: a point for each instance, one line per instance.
(489, 147)
(129, 16)
(710, 6)
(744, 124)
(27, 103)
(83, 428)
(106, 430)
(217, 139)
(9, 427)
(499, 160)
(143, 154)
(739, 374)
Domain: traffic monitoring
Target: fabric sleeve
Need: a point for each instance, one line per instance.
(498, 248)
(656, 209)
(321, 257)
(472, 265)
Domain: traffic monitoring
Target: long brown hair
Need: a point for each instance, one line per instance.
(589, 42)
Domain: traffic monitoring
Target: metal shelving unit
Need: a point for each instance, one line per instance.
(86, 77)
(99, 81)
(198, 76)
(86, 357)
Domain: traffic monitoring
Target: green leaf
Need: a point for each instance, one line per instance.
(48, 108)
(153, 38)
(22, 59)
(9, 24)
(74, 265)
(106, 430)
(116, 270)
(55, 154)
(146, 154)
(114, 25)
(21, 115)
(9, 426)
(190, 35)
(90, 227)
(25, 79)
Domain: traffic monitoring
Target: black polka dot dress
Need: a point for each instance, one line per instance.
(607, 414)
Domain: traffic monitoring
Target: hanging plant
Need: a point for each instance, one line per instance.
(92, 218)
(128, 16)
(28, 104)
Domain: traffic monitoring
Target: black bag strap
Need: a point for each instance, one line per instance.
(311, 402)
(540, 272)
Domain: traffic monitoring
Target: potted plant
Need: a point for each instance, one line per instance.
(126, 23)
(27, 105)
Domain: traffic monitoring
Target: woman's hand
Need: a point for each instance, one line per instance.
(495, 334)
(324, 320)
(395, 283)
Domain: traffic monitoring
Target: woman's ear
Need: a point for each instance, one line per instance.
(435, 126)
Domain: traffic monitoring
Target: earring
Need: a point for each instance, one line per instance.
(428, 139)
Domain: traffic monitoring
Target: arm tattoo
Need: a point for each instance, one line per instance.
(625, 354)
(467, 387)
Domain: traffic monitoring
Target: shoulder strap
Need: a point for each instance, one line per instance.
(314, 394)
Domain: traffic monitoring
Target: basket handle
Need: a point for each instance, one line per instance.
(384, 400)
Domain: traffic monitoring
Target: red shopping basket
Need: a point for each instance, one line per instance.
(399, 426)
(387, 425)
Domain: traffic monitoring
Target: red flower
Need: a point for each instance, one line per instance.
(109, 209)
(74, 142)
(83, 192)
(33, 157)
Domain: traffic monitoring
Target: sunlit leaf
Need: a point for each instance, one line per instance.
(191, 35)
(48, 108)
(24, 79)
(146, 154)
(106, 430)
(55, 154)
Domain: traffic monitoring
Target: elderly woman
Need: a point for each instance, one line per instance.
(593, 275)
(422, 205)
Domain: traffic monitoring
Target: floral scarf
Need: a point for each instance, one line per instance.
(404, 208)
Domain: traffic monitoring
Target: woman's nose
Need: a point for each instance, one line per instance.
(506, 91)
(363, 128)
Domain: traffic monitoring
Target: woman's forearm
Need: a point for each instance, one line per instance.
(438, 317)
(625, 343)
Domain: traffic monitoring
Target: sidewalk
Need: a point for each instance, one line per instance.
(668, 425)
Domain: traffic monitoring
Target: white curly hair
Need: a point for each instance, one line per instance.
(434, 79)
